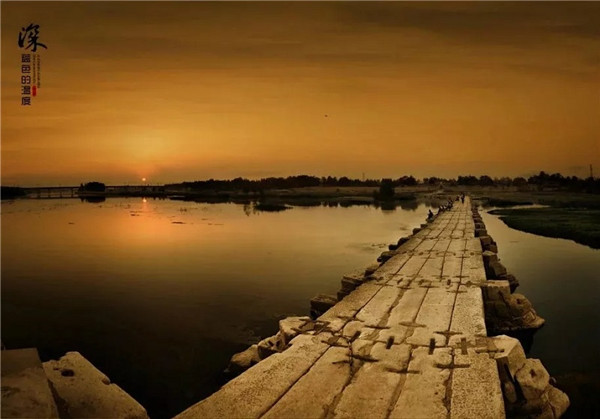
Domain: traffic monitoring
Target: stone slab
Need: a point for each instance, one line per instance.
(254, 392)
(424, 390)
(394, 358)
(468, 317)
(452, 267)
(426, 245)
(436, 310)
(393, 265)
(379, 306)
(312, 395)
(474, 245)
(412, 267)
(352, 303)
(432, 268)
(476, 391)
(407, 308)
(85, 392)
(441, 245)
(25, 389)
(473, 270)
(369, 394)
(411, 244)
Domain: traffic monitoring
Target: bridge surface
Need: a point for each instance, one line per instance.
(408, 344)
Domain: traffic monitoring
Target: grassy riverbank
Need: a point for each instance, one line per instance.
(579, 224)
(494, 197)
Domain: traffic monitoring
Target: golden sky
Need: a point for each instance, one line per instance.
(187, 91)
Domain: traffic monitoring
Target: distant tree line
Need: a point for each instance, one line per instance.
(541, 181)
(301, 181)
(92, 187)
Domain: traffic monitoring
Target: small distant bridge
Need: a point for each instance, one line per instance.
(54, 192)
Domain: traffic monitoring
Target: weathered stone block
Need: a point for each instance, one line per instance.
(423, 336)
(271, 345)
(350, 305)
(395, 357)
(533, 379)
(291, 326)
(512, 312)
(492, 247)
(493, 268)
(385, 256)
(520, 305)
(86, 392)
(25, 389)
(510, 392)
(352, 329)
(468, 313)
(407, 308)
(396, 333)
(378, 306)
(476, 391)
(510, 357)
(341, 295)
(403, 240)
(357, 275)
(312, 395)
(257, 390)
(485, 240)
(512, 280)
(489, 257)
(480, 232)
(496, 269)
(369, 394)
(424, 390)
(243, 360)
(495, 290)
(361, 347)
(502, 312)
(321, 303)
(559, 401)
(349, 285)
(371, 269)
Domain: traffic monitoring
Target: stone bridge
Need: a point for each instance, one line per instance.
(408, 338)
(410, 341)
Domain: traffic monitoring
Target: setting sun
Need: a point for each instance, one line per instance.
(539, 108)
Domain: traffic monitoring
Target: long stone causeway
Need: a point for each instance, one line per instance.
(411, 342)
(410, 337)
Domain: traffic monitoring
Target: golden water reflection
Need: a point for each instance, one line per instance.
(152, 289)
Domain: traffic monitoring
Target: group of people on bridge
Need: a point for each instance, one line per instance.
(448, 205)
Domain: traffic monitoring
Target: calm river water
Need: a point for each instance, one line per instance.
(562, 280)
(159, 294)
